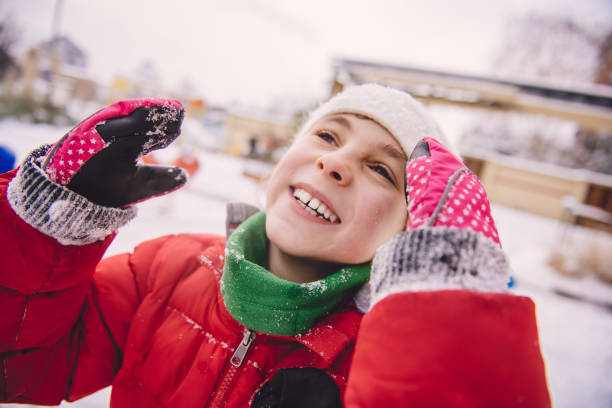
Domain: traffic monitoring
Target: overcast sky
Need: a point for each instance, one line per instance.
(264, 51)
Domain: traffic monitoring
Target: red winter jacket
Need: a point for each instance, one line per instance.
(153, 324)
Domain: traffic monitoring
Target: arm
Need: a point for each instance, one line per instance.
(55, 341)
(440, 328)
(454, 348)
(69, 342)
(45, 297)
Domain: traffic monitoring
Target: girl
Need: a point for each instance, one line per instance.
(280, 315)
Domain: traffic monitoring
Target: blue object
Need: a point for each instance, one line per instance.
(7, 159)
(511, 282)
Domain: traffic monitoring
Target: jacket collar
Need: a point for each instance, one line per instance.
(261, 301)
(334, 335)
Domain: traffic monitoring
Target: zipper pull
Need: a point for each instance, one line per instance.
(243, 347)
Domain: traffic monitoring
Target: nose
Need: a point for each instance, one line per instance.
(335, 168)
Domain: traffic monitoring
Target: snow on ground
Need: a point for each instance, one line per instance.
(575, 335)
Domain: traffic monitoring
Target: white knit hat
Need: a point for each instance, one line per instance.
(395, 110)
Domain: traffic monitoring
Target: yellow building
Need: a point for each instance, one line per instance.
(256, 134)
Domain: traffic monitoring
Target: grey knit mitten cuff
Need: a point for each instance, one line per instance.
(434, 259)
(59, 212)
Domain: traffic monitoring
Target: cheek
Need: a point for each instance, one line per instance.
(276, 183)
(380, 220)
(389, 212)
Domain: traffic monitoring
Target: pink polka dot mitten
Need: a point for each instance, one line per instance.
(450, 240)
(98, 159)
(80, 190)
(443, 192)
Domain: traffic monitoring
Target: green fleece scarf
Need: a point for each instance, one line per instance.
(264, 302)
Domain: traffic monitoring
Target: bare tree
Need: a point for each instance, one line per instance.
(560, 49)
(7, 40)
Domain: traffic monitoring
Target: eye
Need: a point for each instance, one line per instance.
(383, 172)
(327, 137)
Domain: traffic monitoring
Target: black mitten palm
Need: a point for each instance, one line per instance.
(98, 159)
(297, 388)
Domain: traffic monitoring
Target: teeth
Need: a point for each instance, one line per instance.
(314, 206)
(323, 210)
(314, 203)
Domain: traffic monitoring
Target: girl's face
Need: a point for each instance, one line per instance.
(338, 193)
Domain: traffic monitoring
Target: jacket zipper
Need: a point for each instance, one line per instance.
(235, 361)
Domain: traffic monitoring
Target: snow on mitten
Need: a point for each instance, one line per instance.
(450, 240)
(98, 159)
(78, 191)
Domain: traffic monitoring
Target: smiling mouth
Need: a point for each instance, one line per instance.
(314, 206)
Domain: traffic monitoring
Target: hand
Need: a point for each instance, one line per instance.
(450, 240)
(443, 192)
(98, 159)
(298, 387)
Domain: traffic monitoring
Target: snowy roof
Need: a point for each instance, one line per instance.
(590, 94)
(543, 167)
